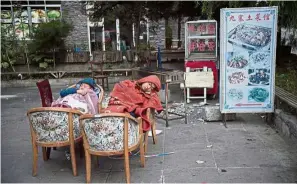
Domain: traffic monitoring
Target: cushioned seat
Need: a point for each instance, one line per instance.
(54, 127)
(107, 134)
(112, 134)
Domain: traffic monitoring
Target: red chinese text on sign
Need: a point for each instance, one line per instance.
(240, 18)
(232, 18)
(192, 46)
(191, 28)
(201, 45)
(249, 18)
(258, 17)
(211, 45)
(211, 29)
(202, 28)
(266, 16)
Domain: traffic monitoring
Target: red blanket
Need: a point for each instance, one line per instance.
(127, 96)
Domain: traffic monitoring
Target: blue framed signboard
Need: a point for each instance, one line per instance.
(247, 67)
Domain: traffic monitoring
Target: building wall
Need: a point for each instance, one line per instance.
(158, 36)
(74, 13)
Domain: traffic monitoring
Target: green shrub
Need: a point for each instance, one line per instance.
(286, 79)
(10, 50)
(47, 38)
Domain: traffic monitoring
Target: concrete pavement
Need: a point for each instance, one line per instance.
(247, 151)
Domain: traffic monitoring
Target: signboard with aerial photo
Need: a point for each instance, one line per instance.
(248, 49)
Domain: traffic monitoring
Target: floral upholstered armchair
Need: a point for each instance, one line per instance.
(54, 127)
(111, 134)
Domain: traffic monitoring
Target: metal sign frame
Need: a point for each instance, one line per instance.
(247, 97)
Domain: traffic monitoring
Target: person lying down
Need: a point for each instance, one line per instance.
(135, 97)
(83, 97)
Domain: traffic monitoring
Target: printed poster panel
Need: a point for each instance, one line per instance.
(248, 49)
(38, 15)
(53, 14)
(21, 23)
(6, 16)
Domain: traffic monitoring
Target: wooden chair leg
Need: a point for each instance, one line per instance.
(44, 154)
(73, 159)
(88, 166)
(145, 141)
(142, 158)
(35, 158)
(127, 166)
(154, 134)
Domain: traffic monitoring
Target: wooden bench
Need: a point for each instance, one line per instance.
(170, 55)
(283, 95)
(55, 74)
(125, 70)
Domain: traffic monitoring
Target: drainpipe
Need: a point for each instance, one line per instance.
(133, 34)
(118, 34)
(103, 35)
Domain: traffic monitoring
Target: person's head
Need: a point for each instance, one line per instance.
(147, 87)
(87, 83)
(84, 86)
(149, 84)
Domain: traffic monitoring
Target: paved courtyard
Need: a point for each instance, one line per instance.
(247, 151)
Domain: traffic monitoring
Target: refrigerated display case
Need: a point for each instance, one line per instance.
(201, 50)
